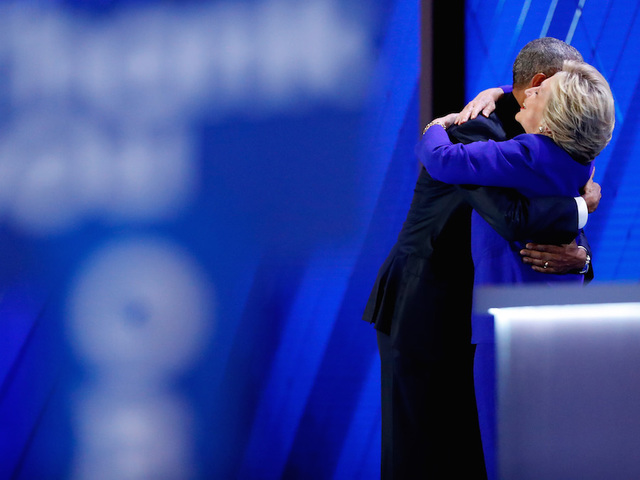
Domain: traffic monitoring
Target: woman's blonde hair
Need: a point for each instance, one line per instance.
(580, 113)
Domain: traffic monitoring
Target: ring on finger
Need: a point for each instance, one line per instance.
(546, 264)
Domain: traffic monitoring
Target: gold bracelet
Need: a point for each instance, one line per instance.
(431, 124)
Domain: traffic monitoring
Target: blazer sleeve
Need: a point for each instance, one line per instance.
(479, 163)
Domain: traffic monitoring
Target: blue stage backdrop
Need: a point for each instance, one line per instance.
(186, 191)
(195, 197)
(607, 33)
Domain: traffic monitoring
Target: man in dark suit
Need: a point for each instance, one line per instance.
(421, 308)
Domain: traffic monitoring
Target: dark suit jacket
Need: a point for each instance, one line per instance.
(422, 295)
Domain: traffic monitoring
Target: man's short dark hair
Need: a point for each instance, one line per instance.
(542, 55)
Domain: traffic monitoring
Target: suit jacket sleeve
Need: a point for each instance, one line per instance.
(547, 220)
(582, 241)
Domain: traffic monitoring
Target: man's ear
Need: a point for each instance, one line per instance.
(537, 79)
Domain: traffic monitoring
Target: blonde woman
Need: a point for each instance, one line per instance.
(568, 120)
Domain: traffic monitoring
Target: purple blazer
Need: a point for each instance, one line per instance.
(532, 164)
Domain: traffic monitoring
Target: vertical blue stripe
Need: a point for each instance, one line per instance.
(296, 364)
(364, 432)
(547, 21)
(574, 22)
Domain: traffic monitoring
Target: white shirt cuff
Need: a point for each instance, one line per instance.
(583, 211)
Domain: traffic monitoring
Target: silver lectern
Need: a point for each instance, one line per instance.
(568, 381)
